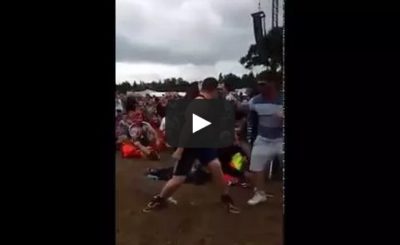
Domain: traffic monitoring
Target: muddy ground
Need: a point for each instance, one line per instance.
(198, 219)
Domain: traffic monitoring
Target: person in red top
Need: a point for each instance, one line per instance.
(137, 115)
(142, 134)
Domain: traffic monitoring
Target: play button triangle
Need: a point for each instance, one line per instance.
(198, 123)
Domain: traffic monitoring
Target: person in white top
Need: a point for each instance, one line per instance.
(229, 94)
(231, 97)
(118, 105)
(162, 125)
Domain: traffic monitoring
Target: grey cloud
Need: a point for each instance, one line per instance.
(216, 50)
(236, 13)
(199, 41)
(135, 52)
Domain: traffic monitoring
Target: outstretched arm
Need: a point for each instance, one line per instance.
(252, 124)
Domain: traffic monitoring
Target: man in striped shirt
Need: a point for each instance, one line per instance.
(265, 130)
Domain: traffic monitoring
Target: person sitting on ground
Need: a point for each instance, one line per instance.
(155, 121)
(145, 138)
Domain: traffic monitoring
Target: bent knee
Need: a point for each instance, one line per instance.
(178, 179)
(214, 163)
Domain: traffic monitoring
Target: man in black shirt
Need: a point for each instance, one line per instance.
(208, 157)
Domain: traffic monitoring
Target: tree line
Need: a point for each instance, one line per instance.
(180, 85)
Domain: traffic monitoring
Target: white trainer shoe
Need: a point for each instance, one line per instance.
(259, 196)
(172, 200)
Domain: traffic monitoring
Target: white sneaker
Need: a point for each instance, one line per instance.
(258, 197)
(172, 200)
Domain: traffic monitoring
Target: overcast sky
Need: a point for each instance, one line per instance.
(192, 39)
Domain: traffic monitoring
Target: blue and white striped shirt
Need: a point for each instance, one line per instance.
(263, 120)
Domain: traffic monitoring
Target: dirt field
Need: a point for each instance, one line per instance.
(198, 219)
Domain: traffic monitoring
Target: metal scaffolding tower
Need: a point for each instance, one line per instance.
(275, 12)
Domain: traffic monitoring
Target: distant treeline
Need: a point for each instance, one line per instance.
(180, 85)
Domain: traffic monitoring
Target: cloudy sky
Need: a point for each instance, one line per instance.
(192, 39)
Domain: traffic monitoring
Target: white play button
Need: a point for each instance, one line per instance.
(198, 123)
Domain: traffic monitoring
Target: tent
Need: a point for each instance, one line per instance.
(149, 92)
(155, 93)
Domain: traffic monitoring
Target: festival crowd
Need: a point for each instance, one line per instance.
(140, 133)
(140, 120)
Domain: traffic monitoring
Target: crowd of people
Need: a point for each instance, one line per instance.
(140, 125)
(140, 133)
(140, 120)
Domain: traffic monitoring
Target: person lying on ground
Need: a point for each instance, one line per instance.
(234, 174)
(198, 175)
(234, 163)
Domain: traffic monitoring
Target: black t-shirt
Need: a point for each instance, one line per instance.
(161, 110)
(130, 104)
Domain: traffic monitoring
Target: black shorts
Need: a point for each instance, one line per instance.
(189, 155)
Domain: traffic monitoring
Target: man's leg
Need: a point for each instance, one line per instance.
(261, 154)
(216, 171)
(159, 201)
(182, 168)
(245, 148)
(209, 157)
(172, 186)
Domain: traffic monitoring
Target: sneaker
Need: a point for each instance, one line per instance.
(233, 209)
(150, 171)
(226, 199)
(245, 185)
(259, 196)
(173, 201)
(156, 203)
